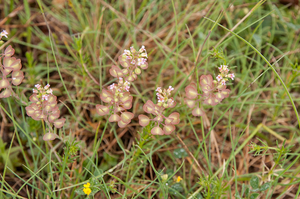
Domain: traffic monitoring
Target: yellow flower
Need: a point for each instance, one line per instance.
(178, 179)
(87, 189)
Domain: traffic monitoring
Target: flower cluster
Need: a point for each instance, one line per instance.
(3, 34)
(44, 106)
(118, 96)
(158, 111)
(87, 190)
(11, 73)
(213, 91)
(223, 75)
(119, 100)
(132, 61)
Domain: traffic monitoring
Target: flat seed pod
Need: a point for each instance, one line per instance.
(144, 120)
(102, 110)
(114, 118)
(122, 124)
(138, 71)
(206, 80)
(9, 51)
(49, 136)
(144, 66)
(191, 92)
(126, 117)
(127, 104)
(4, 83)
(158, 118)
(12, 63)
(198, 112)
(17, 77)
(59, 123)
(190, 103)
(53, 117)
(168, 129)
(123, 61)
(175, 118)
(157, 131)
(5, 94)
(115, 71)
(106, 96)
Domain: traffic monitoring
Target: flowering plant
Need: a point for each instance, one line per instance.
(119, 99)
(118, 95)
(157, 110)
(132, 61)
(11, 73)
(44, 107)
(3, 34)
(213, 91)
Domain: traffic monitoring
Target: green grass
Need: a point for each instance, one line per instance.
(253, 132)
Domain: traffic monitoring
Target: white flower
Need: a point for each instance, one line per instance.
(223, 68)
(127, 52)
(142, 49)
(158, 90)
(141, 61)
(170, 89)
(45, 97)
(47, 86)
(223, 82)
(144, 55)
(3, 33)
(219, 78)
(231, 76)
(160, 97)
(38, 86)
(49, 91)
(111, 87)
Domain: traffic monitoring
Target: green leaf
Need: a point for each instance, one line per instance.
(254, 182)
(95, 181)
(170, 172)
(98, 172)
(265, 186)
(180, 153)
(247, 192)
(177, 187)
(79, 191)
(254, 195)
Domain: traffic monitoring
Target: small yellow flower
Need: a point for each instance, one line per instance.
(87, 189)
(178, 179)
